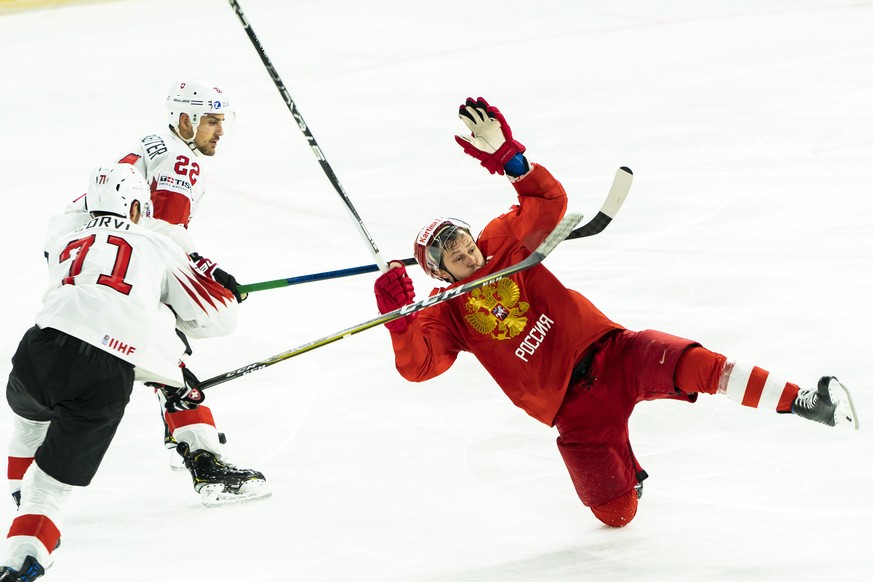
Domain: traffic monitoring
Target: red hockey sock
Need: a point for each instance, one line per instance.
(37, 526)
(183, 418)
(16, 467)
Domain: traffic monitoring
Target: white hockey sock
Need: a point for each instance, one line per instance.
(199, 437)
(27, 436)
(36, 528)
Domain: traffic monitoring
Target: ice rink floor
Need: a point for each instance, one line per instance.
(749, 228)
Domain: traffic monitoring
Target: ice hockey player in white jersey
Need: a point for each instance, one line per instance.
(117, 294)
(198, 112)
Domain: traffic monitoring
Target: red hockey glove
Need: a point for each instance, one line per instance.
(210, 268)
(491, 143)
(187, 397)
(394, 289)
(204, 266)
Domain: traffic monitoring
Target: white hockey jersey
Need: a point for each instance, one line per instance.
(125, 290)
(172, 171)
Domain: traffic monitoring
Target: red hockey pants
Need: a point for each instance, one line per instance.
(627, 367)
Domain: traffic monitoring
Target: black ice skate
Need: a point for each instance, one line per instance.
(220, 483)
(830, 403)
(30, 570)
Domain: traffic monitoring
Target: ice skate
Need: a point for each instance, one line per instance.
(830, 403)
(220, 483)
(30, 570)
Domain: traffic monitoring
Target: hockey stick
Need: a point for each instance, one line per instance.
(621, 184)
(617, 193)
(547, 246)
(292, 107)
(275, 283)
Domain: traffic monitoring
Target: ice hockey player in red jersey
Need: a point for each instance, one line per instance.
(554, 354)
(172, 162)
(117, 294)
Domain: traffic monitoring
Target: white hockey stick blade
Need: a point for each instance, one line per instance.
(618, 192)
(557, 235)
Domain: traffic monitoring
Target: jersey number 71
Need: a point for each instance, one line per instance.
(115, 280)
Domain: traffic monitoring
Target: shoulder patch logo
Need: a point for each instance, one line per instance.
(496, 310)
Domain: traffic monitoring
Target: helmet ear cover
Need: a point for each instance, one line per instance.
(113, 189)
(431, 241)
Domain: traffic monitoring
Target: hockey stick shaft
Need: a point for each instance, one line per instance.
(617, 193)
(561, 231)
(276, 283)
(316, 149)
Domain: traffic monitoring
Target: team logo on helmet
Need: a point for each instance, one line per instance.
(496, 310)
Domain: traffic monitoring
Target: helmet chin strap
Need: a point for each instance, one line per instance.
(189, 142)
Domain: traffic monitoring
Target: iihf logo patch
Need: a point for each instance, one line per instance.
(119, 346)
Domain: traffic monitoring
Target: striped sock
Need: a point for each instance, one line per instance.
(755, 387)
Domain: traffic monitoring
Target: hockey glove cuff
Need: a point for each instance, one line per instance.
(516, 167)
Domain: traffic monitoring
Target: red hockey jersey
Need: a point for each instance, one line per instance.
(527, 330)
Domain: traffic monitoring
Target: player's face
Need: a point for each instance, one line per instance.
(462, 257)
(209, 131)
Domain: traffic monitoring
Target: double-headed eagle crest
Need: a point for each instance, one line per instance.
(496, 310)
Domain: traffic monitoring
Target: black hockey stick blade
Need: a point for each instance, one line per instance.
(621, 184)
(547, 246)
(617, 193)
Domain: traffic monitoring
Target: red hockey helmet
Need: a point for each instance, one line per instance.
(432, 239)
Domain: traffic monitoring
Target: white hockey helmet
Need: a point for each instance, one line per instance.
(114, 187)
(431, 240)
(197, 98)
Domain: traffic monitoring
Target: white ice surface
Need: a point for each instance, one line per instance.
(748, 125)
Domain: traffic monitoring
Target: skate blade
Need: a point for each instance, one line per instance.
(845, 415)
(214, 495)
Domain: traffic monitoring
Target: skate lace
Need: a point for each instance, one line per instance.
(808, 400)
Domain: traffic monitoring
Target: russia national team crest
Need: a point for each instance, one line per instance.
(496, 310)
